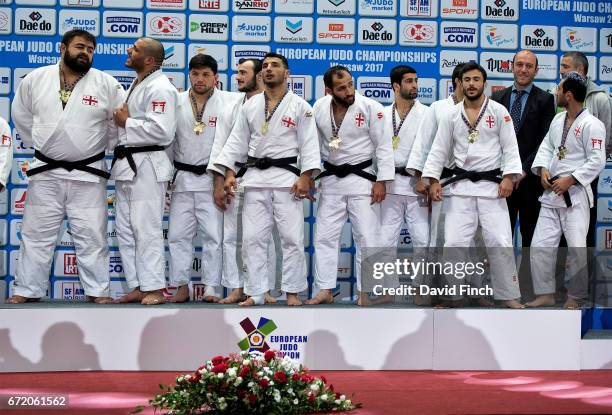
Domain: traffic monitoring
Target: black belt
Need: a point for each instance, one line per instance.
(68, 165)
(446, 173)
(474, 176)
(264, 163)
(122, 152)
(343, 170)
(402, 171)
(198, 169)
(566, 195)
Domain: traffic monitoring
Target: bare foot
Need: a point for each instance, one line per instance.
(383, 299)
(322, 297)
(235, 296)
(100, 300)
(573, 303)
(512, 304)
(19, 299)
(153, 298)
(544, 300)
(272, 300)
(135, 296)
(251, 301)
(181, 295)
(363, 299)
(292, 300)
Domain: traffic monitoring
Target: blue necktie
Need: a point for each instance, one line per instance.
(515, 111)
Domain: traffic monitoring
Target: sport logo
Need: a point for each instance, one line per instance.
(459, 34)
(499, 65)
(35, 16)
(293, 27)
(70, 264)
(377, 26)
(90, 100)
(252, 5)
(166, 24)
(609, 38)
(499, 3)
(336, 27)
(209, 4)
(459, 3)
(255, 339)
(539, 32)
(419, 8)
(169, 52)
(419, 32)
(4, 20)
(575, 39)
(336, 2)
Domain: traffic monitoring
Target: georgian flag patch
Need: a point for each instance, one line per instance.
(159, 107)
(90, 100)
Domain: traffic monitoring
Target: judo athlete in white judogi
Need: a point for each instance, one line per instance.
(141, 169)
(201, 111)
(358, 160)
(248, 78)
(428, 127)
(479, 137)
(6, 153)
(70, 132)
(570, 157)
(276, 130)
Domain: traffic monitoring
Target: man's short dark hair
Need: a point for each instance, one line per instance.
(457, 73)
(277, 56)
(470, 66)
(579, 58)
(328, 76)
(257, 64)
(397, 73)
(576, 84)
(71, 34)
(202, 61)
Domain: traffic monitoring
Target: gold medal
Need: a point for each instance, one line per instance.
(562, 152)
(198, 127)
(334, 144)
(264, 128)
(395, 142)
(473, 136)
(64, 96)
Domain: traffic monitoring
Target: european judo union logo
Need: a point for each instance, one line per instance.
(256, 336)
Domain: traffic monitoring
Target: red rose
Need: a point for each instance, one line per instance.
(307, 378)
(195, 378)
(252, 399)
(311, 397)
(331, 388)
(296, 377)
(217, 360)
(338, 395)
(323, 379)
(220, 368)
(244, 371)
(264, 383)
(280, 377)
(269, 355)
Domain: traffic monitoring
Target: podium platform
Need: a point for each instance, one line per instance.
(60, 336)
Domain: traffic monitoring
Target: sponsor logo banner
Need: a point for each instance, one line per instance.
(501, 10)
(548, 67)
(123, 24)
(5, 109)
(217, 51)
(499, 36)
(605, 68)
(19, 169)
(124, 4)
(251, 29)
(378, 8)
(6, 21)
(88, 20)
(178, 80)
(4, 230)
(377, 32)
(451, 58)
(175, 55)
(294, 6)
(69, 290)
(288, 29)
(604, 185)
(4, 203)
(335, 31)
(497, 64)
(459, 9)
(428, 90)
(208, 27)
(18, 200)
(15, 232)
(419, 8)
(209, 5)
(583, 39)
(336, 7)
(80, 3)
(36, 21)
(248, 51)
(536, 37)
(167, 4)
(418, 33)
(252, 6)
(166, 25)
(376, 87)
(604, 209)
(605, 40)
(301, 85)
(459, 34)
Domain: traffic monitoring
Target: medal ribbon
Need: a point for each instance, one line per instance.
(396, 129)
(67, 89)
(197, 114)
(335, 128)
(566, 128)
(268, 116)
(467, 123)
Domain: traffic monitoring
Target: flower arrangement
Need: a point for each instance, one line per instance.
(250, 383)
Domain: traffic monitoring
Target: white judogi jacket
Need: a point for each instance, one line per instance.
(584, 159)
(152, 121)
(426, 132)
(6, 151)
(291, 132)
(81, 130)
(194, 149)
(403, 185)
(362, 135)
(232, 102)
(495, 148)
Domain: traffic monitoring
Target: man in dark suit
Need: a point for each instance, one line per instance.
(532, 110)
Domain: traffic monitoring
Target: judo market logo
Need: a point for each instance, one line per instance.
(259, 339)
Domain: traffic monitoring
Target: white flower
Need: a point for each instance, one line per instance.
(250, 384)
(290, 391)
(337, 401)
(271, 383)
(314, 388)
(324, 398)
(246, 362)
(342, 397)
(238, 381)
(203, 371)
(260, 373)
(295, 401)
(220, 375)
(277, 398)
(231, 372)
(222, 406)
(348, 402)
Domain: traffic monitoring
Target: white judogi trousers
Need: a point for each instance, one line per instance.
(333, 210)
(463, 214)
(264, 207)
(573, 223)
(47, 202)
(139, 206)
(233, 265)
(191, 212)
